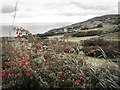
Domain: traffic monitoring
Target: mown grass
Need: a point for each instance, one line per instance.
(72, 39)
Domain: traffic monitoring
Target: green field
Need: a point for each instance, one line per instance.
(73, 39)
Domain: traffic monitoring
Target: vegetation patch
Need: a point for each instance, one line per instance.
(52, 64)
(87, 33)
(102, 48)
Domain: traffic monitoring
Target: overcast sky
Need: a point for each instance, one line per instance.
(47, 11)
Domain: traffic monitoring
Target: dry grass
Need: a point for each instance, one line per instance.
(98, 63)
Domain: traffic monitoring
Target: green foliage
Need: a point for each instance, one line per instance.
(99, 25)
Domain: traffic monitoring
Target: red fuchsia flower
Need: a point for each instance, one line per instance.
(24, 72)
(26, 58)
(46, 63)
(94, 53)
(12, 74)
(67, 39)
(82, 62)
(53, 46)
(80, 77)
(3, 74)
(79, 81)
(80, 85)
(23, 61)
(31, 56)
(31, 60)
(76, 58)
(62, 76)
(37, 47)
(5, 77)
(24, 64)
(26, 44)
(16, 32)
(0, 74)
(2, 65)
(30, 74)
(21, 33)
(18, 36)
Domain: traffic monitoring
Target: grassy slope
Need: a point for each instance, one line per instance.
(112, 36)
(106, 27)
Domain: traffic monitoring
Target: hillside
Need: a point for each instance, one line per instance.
(105, 23)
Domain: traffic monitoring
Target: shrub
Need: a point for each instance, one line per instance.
(84, 28)
(111, 49)
(87, 33)
(51, 64)
(99, 25)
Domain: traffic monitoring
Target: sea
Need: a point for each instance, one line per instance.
(34, 28)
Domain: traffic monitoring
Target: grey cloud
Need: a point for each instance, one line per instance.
(83, 13)
(119, 7)
(78, 4)
(88, 6)
(99, 7)
(56, 5)
(28, 9)
(85, 6)
(71, 14)
(89, 9)
(8, 9)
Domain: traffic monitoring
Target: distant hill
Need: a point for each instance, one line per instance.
(90, 24)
